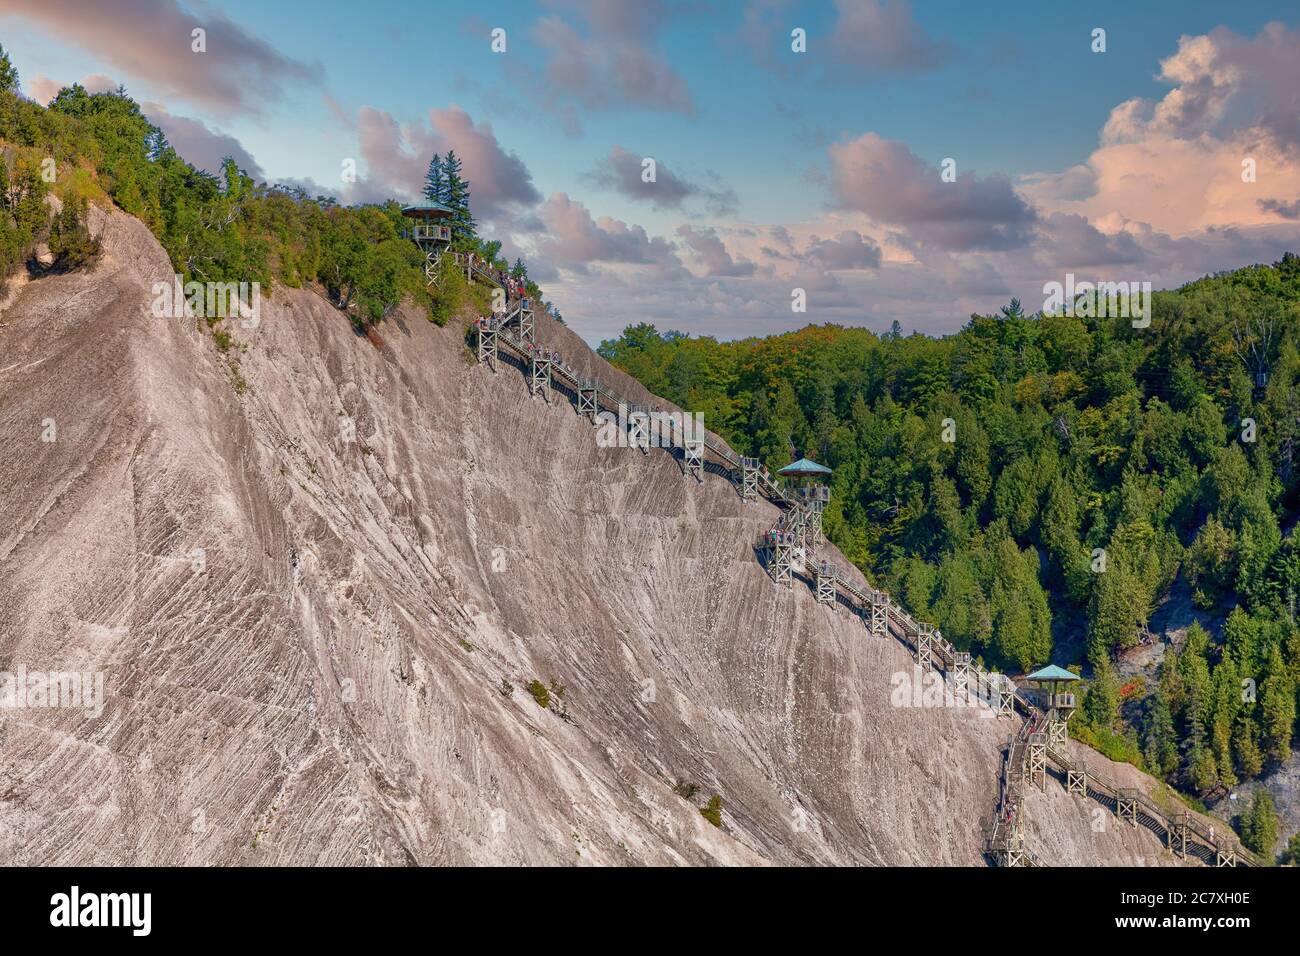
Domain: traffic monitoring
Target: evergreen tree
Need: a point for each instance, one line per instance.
(1225, 703)
(1161, 745)
(8, 74)
(1291, 856)
(1101, 702)
(435, 181)
(1259, 824)
(1278, 706)
(457, 198)
(1202, 771)
(519, 270)
(1245, 743)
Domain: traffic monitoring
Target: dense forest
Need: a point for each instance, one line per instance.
(1037, 484)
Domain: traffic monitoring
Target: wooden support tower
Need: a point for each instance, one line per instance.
(780, 545)
(1036, 760)
(879, 623)
(527, 321)
(430, 230)
(1013, 852)
(1225, 858)
(588, 403)
(1006, 703)
(795, 521)
(1054, 697)
(1177, 834)
(1058, 715)
(1076, 781)
(638, 428)
(1126, 805)
(487, 341)
(825, 574)
(925, 646)
(693, 457)
(748, 479)
(961, 675)
(540, 372)
(813, 499)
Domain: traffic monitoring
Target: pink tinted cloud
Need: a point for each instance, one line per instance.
(574, 240)
(150, 41)
(200, 145)
(881, 36)
(707, 251)
(1218, 150)
(890, 183)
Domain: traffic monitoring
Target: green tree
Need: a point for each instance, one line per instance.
(457, 198)
(1259, 824)
(8, 74)
(1291, 856)
(1101, 702)
(1226, 701)
(1018, 606)
(70, 241)
(1160, 748)
(1210, 564)
(1278, 707)
(435, 181)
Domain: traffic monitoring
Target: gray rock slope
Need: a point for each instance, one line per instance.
(328, 683)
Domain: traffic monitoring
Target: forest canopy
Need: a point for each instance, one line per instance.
(216, 226)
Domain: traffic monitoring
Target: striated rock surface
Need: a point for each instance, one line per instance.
(317, 602)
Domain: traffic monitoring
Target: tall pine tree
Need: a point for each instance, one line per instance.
(435, 181)
(457, 197)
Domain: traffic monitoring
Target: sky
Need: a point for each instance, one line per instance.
(1163, 148)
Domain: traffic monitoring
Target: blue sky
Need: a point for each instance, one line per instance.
(1017, 97)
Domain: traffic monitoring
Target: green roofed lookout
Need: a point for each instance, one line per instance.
(1052, 673)
(1058, 704)
(804, 468)
(431, 231)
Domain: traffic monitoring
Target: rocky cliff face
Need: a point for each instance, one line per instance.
(317, 601)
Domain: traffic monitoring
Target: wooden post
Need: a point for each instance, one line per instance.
(1006, 696)
(1178, 837)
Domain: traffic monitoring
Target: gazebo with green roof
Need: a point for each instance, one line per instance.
(804, 468)
(812, 497)
(1059, 704)
(431, 231)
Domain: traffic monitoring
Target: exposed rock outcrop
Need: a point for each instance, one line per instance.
(310, 597)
